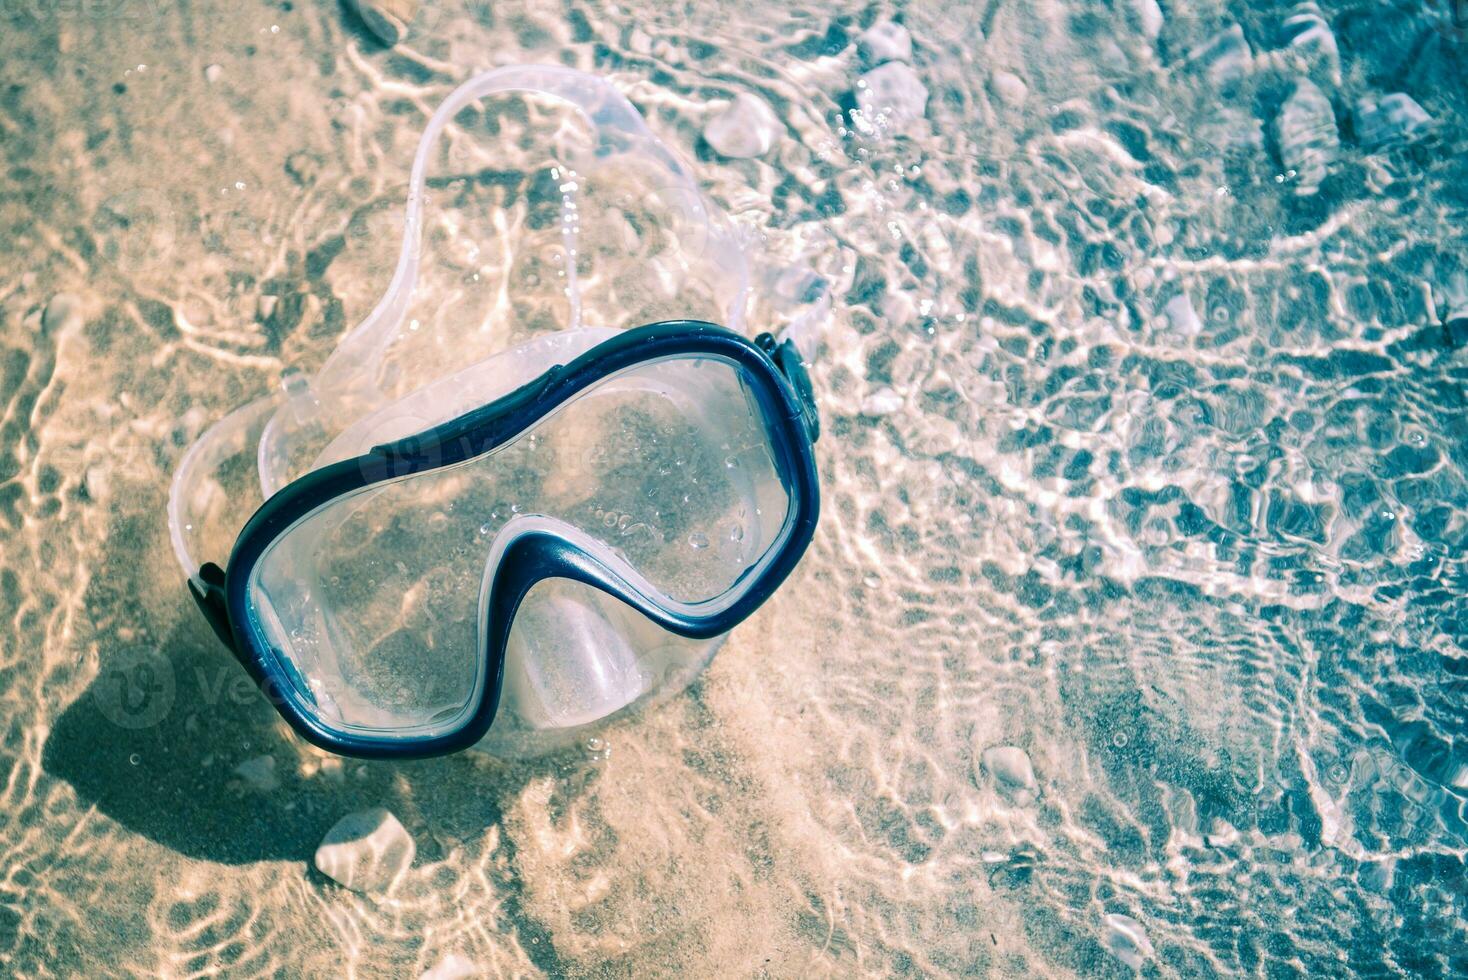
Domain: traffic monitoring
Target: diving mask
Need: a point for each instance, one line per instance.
(499, 551)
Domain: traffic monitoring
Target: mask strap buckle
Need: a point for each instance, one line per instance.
(207, 588)
(792, 367)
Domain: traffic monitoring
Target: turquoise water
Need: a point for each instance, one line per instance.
(1133, 638)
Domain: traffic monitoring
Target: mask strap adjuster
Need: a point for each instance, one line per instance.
(792, 366)
(207, 588)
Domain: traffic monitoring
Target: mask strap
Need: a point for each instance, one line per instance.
(193, 493)
(619, 129)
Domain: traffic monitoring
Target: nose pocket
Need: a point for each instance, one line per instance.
(568, 661)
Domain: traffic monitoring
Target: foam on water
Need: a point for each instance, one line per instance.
(1138, 463)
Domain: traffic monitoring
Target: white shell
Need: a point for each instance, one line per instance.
(1306, 134)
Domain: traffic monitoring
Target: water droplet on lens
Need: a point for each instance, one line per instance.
(1120, 740)
(736, 532)
(135, 759)
(698, 540)
(485, 528)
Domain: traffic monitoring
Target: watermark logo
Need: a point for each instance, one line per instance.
(136, 227)
(135, 688)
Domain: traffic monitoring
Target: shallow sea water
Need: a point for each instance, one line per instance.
(1202, 560)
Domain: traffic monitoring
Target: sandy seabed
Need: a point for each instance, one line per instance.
(1133, 637)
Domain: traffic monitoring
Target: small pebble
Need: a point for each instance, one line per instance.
(1392, 121)
(367, 851)
(1221, 834)
(451, 967)
(388, 19)
(883, 401)
(212, 73)
(893, 92)
(885, 41)
(1010, 769)
(1009, 88)
(1126, 938)
(745, 127)
(1149, 15)
(62, 312)
(1310, 47)
(1182, 317)
(1306, 134)
(97, 482)
(1224, 58)
(259, 773)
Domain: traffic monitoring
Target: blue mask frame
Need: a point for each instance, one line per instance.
(778, 381)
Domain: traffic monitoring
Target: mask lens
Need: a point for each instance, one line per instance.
(373, 601)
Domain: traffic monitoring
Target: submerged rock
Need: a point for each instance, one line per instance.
(1149, 16)
(893, 94)
(259, 773)
(1392, 121)
(1225, 58)
(885, 41)
(366, 851)
(746, 127)
(1310, 46)
(1010, 769)
(1126, 938)
(1306, 134)
(388, 19)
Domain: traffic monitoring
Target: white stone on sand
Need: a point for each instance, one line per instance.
(366, 851)
(885, 41)
(62, 312)
(1126, 938)
(1306, 135)
(893, 92)
(1224, 58)
(212, 73)
(745, 127)
(1009, 767)
(1310, 47)
(1181, 316)
(1009, 88)
(1390, 121)
(883, 401)
(258, 773)
(388, 19)
(451, 967)
(1149, 15)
